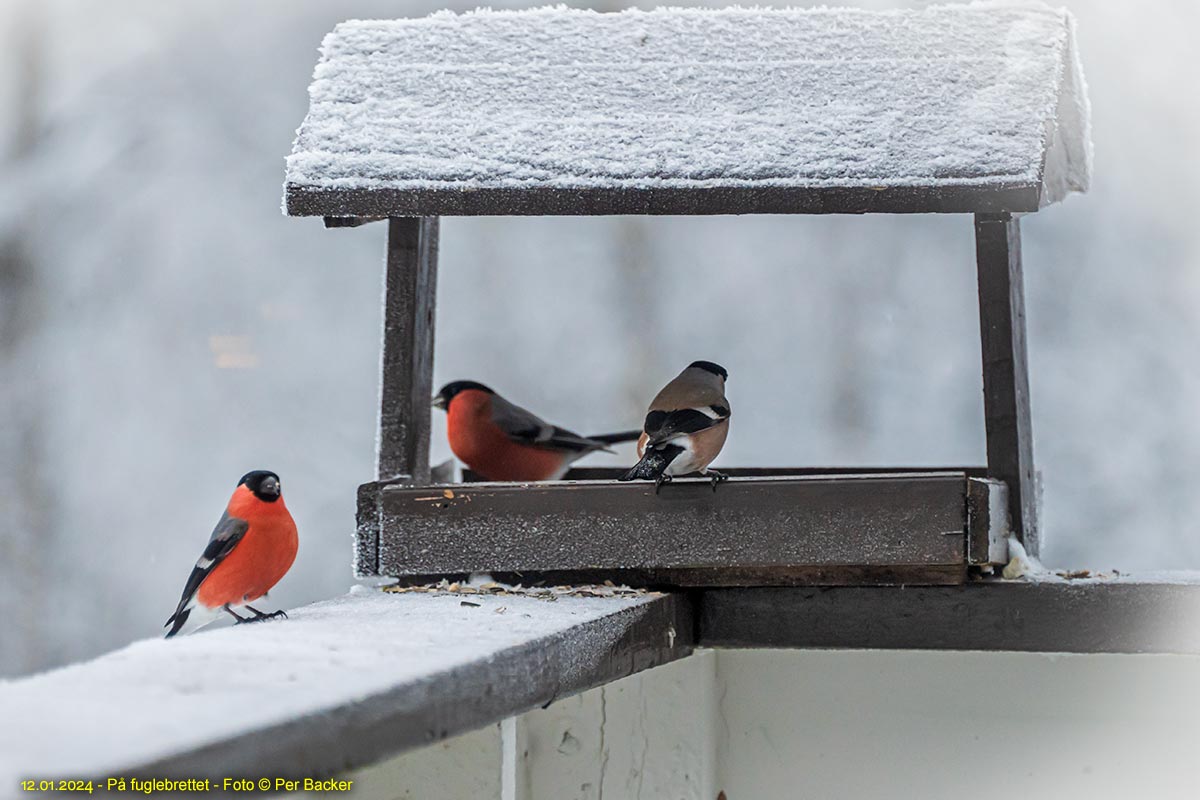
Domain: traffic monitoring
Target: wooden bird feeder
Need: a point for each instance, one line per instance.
(976, 110)
(959, 110)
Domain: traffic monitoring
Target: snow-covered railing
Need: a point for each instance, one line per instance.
(340, 684)
(348, 682)
(967, 108)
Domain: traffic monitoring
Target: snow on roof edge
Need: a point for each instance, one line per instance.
(1069, 156)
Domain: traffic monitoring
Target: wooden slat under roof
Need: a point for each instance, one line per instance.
(978, 108)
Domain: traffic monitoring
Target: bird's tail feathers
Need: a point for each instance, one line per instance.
(190, 616)
(653, 464)
(177, 621)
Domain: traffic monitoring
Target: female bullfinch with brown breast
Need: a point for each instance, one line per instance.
(251, 549)
(685, 427)
(503, 442)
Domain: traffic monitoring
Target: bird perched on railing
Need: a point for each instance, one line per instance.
(685, 427)
(503, 442)
(251, 549)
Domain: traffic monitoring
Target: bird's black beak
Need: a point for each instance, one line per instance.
(439, 402)
(269, 486)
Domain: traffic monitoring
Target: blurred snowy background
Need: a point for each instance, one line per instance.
(163, 328)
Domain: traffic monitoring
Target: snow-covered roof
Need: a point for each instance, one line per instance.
(978, 107)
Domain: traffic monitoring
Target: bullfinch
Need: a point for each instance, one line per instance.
(685, 427)
(252, 547)
(504, 442)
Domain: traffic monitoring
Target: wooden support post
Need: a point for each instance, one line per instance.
(1005, 369)
(410, 291)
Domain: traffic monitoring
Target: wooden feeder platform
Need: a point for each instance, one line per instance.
(765, 528)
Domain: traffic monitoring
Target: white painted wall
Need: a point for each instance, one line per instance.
(878, 724)
(466, 767)
(838, 724)
(648, 736)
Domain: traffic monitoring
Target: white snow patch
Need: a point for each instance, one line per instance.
(158, 697)
(1023, 565)
(692, 98)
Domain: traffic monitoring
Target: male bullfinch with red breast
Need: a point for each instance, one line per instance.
(503, 442)
(251, 549)
(685, 427)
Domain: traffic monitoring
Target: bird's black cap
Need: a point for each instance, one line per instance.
(446, 393)
(708, 366)
(264, 484)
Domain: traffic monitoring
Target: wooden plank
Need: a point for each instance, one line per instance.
(1066, 617)
(997, 197)
(987, 521)
(350, 222)
(340, 684)
(366, 536)
(410, 292)
(1005, 369)
(760, 524)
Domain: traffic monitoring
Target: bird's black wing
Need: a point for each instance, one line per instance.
(225, 537)
(663, 426)
(528, 428)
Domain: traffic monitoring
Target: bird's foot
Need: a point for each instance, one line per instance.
(660, 480)
(716, 477)
(260, 616)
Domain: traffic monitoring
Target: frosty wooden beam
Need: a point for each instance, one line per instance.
(1158, 614)
(347, 682)
(410, 292)
(941, 198)
(340, 684)
(881, 528)
(1005, 368)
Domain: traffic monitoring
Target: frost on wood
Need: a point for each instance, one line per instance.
(986, 94)
(156, 699)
